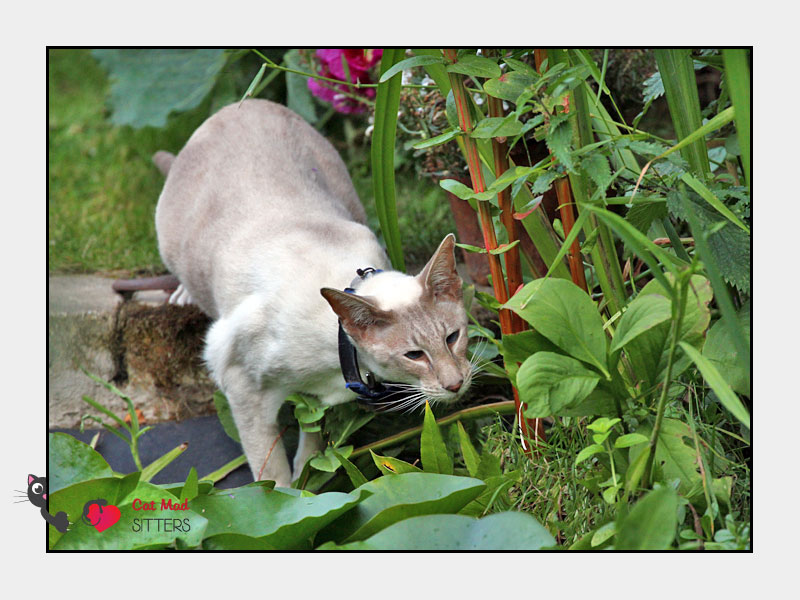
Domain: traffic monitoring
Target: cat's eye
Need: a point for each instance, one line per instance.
(37, 488)
(414, 354)
(451, 339)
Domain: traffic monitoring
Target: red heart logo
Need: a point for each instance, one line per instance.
(103, 517)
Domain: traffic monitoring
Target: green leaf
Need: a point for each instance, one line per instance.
(706, 194)
(158, 465)
(400, 497)
(503, 248)
(644, 313)
(189, 491)
(475, 66)
(559, 140)
(393, 466)
(651, 524)
(737, 78)
(464, 192)
(437, 140)
(649, 352)
(673, 457)
(254, 83)
(501, 531)
(410, 63)
(492, 127)
(720, 351)
(356, 477)
(433, 452)
(564, 314)
(603, 424)
(226, 416)
(630, 439)
(635, 470)
(281, 520)
(721, 388)
(603, 534)
(149, 84)
(550, 383)
(131, 531)
(471, 456)
(642, 215)
(471, 248)
(589, 451)
(71, 461)
(387, 102)
(508, 86)
(298, 96)
(328, 461)
(680, 85)
(596, 167)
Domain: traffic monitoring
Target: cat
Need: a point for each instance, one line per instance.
(37, 495)
(259, 220)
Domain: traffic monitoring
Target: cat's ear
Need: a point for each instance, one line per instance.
(356, 312)
(439, 278)
(31, 478)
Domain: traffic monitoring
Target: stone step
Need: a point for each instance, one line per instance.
(151, 351)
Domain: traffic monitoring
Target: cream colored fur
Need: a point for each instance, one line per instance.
(257, 215)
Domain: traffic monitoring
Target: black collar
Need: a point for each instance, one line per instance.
(373, 394)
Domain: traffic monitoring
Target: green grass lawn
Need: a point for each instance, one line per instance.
(103, 187)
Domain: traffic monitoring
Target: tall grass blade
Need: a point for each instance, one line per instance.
(737, 76)
(677, 73)
(387, 102)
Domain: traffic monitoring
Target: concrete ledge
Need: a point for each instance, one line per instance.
(150, 350)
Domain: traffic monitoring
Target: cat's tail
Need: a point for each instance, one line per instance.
(163, 160)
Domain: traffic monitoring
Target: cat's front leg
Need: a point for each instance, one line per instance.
(255, 412)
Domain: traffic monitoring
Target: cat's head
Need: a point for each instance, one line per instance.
(37, 490)
(411, 329)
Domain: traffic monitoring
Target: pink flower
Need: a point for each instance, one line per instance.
(359, 61)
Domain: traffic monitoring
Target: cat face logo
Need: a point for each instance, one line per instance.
(100, 514)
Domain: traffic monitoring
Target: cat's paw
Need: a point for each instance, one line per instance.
(180, 297)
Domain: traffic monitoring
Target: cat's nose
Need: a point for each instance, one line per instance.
(455, 387)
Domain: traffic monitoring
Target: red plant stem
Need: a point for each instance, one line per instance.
(487, 227)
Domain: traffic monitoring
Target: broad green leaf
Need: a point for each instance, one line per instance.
(475, 66)
(494, 497)
(630, 439)
(635, 471)
(564, 314)
(706, 195)
(603, 534)
(517, 347)
(399, 497)
(550, 382)
(603, 424)
(281, 520)
(651, 524)
(720, 351)
(410, 63)
(433, 452)
(226, 416)
(649, 352)
(508, 86)
(642, 215)
(642, 314)
(71, 499)
(149, 84)
(501, 531)
(71, 461)
(132, 531)
(596, 167)
(721, 388)
(356, 477)
(675, 459)
(236, 541)
(471, 456)
(393, 466)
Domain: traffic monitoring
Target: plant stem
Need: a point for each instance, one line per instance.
(475, 412)
(675, 332)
